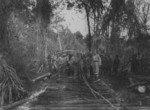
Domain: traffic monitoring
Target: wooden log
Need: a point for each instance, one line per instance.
(141, 81)
(145, 78)
(137, 84)
(42, 77)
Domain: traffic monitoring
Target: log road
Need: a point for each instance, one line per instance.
(69, 94)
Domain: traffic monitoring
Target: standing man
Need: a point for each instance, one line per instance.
(75, 66)
(134, 64)
(49, 59)
(97, 63)
(116, 64)
(88, 60)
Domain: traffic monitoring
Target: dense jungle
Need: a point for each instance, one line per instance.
(45, 65)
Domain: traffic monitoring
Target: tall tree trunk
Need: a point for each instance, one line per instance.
(45, 49)
(2, 98)
(60, 45)
(10, 95)
(45, 44)
(89, 29)
(115, 38)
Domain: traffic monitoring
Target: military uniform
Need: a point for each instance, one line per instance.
(97, 64)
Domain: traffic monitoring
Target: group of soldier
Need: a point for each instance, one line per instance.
(87, 64)
(76, 65)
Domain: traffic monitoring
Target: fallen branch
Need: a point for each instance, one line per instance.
(137, 84)
(40, 69)
(18, 103)
(42, 77)
(96, 93)
(145, 78)
(13, 105)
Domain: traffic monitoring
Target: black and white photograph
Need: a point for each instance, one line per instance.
(74, 54)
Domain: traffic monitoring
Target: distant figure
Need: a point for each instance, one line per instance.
(116, 64)
(2, 64)
(139, 59)
(54, 66)
(97, 63)
(68, 68)
(74, 63)
(80, 67)
(49, 62)
(134, 64)
(86, 66)
(88, 60)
